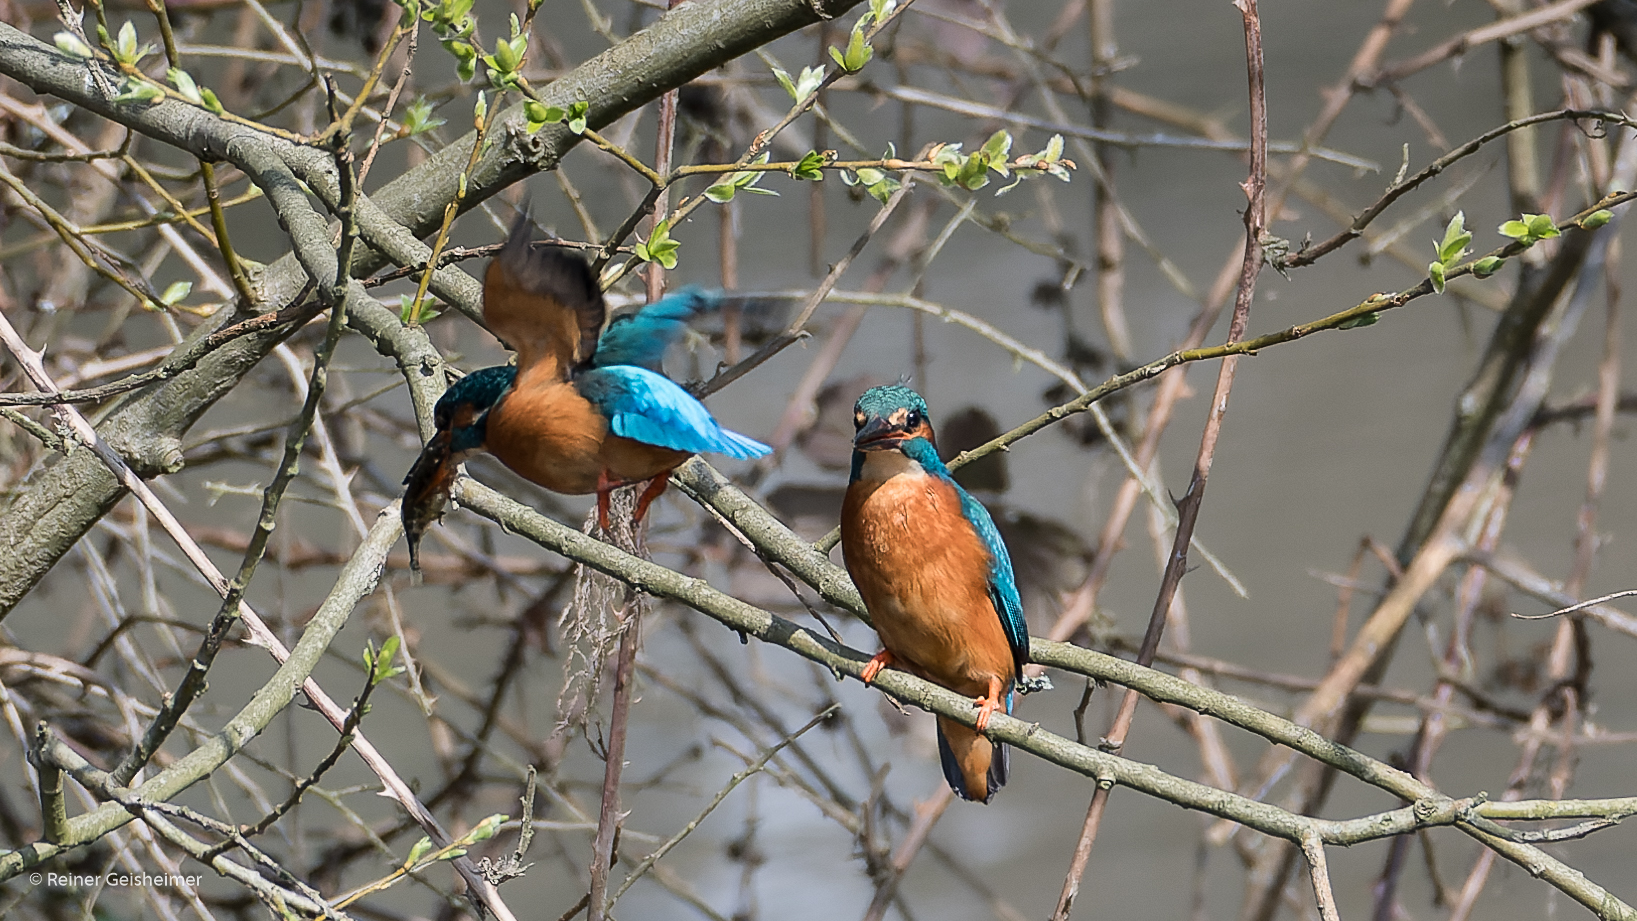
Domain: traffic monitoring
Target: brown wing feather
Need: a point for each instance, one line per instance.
(544, 302)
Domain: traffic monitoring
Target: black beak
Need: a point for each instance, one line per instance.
(877, 434)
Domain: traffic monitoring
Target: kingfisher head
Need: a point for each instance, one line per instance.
(886, 417)
(463, 409)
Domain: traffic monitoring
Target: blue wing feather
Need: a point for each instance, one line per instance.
(641, 338)
(1002, 584)
(648, 407)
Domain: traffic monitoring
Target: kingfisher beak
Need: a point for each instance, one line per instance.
(878, 435)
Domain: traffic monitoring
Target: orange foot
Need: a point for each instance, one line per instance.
(988, 705)
(656, 486)
(881, 660)
(605, 487)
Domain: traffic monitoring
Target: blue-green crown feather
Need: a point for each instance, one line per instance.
(883, 401)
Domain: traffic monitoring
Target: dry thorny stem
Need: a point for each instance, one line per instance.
(695, 732)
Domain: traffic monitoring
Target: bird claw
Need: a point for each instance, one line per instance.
(989, 704)
(656, 486)
(986, 709)
(881, 660)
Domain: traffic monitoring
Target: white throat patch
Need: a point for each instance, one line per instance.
(880, 466)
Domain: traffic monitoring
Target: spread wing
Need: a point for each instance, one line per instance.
(641, 338)
(650, 408)
(544, 302)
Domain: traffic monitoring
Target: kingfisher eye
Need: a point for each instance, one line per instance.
(913, 419)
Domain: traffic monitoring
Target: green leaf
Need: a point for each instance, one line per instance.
(418, 118)
(1455, 239)
(723, 191)
(1517, 230)
(801, 87)
(408, 312)
(420, 850)
(1487, 266)
(858, 51)
(134, 90)
(1016, 179)
(487, 828)
(1436, 272)
(176, 292)
(126, 50)
(659, 247)
(881, 9)
(811, 167)
(389, 650)
(508, 56)
(184, 84)
(465, 57)
(1597, 219)
(883, 190)
(576, 116)
(811, 78)
(126, 44)
(1541, 226)
(540, 115)
(998, 145)
(1369, 319)
(974, 173)
(70, 44)
(208, 97)
(783, 77)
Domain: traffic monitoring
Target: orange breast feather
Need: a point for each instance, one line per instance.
(923, 573)
(549, 434)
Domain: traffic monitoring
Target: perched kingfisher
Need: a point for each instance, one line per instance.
(936, 578)
(584, 410)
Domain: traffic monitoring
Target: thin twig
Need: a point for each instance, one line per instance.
(1188, 505)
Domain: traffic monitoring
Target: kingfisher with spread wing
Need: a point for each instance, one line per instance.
(584, 410)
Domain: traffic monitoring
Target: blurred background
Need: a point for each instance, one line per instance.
(995, 308)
